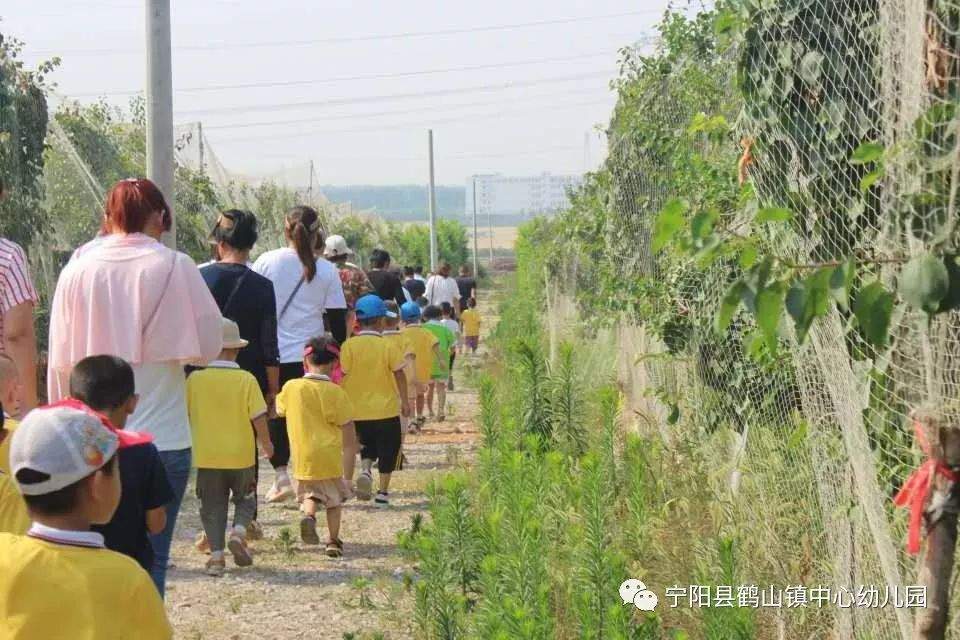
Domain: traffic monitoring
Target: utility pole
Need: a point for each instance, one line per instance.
(432, 208)
(490, 225)
(200, 145)
(160, 105)
(476, 260)
(310, 189)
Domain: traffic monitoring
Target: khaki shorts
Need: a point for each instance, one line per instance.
(330, 493)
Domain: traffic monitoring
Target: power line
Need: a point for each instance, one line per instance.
(391, 112)
(375, 76)
(222, 46)
(412, 125)
(396, 96)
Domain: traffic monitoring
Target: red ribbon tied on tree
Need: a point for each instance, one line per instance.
(916, 490)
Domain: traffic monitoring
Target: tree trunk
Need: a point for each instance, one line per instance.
(941, 513)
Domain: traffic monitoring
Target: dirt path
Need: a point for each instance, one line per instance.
(294, 591)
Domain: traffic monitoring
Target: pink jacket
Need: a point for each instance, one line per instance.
(130, 296)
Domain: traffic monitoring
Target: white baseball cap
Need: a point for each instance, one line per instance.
(231, 335)
(336, 246)
(66, 442)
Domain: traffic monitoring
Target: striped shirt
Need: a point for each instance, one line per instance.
(15, 284)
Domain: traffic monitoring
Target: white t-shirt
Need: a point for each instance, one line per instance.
(162, 409)
(304, 316)
(440, 290)
(453, 325)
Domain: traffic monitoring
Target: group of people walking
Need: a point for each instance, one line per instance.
(157, 366)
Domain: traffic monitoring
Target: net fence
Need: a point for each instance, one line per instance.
(809, 444)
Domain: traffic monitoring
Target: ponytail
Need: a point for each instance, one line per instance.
(303, 230)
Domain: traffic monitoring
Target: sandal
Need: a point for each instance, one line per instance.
(334, 548)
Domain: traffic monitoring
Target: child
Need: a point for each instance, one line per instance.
(106, 385)
(450, 323)
(425, 353)
(222, 401)
(373, 378)
(401, 341)
(470, 321)
(320, 424)
(446, 343)
(58, 581)
(13, 510)
(9, 399)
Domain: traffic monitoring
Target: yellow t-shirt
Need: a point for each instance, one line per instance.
(369, 362)
(221, 402)
(402, 341)
(13, 510)
(64, 592)
(423, 349)
(471, 323)
(316, 410)
(10, 425)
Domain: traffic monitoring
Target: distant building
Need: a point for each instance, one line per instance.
(501, 195)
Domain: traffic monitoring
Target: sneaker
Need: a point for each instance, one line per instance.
(382, 499)
(364, 485)
(201, 543)
(308, 530)
(238, 547)
(441, 417)
(254, 531)
(215, 567)
(334, 548)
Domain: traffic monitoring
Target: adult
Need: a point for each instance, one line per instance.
(334, 317)
(386, 283)
(416, 287)
(442, 288)
(467, 285)
(18, 338)
(246, 297)
(418, 274)
(354, 280)
(128, 295)
(304, 286)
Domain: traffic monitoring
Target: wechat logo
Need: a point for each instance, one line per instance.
(636, 592)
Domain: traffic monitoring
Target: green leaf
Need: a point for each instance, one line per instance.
(674, 414)
(773, 214)
(873, 307)
(811, 66)
(867, 152)
(748, 257)
(702, 224)
(669, 221)
(867, 181)
(798, 437)
(728, 306)
(841, 280)
(818, 291)
(798, 309)
(770, 303)
(952, 300)
(924, 282)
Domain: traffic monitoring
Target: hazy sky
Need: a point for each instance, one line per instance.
(348, 87)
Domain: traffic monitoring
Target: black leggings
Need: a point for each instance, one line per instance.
(278, 426)
(453, 356)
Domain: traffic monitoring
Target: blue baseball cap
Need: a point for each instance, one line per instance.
(370, 306)
(410, 311)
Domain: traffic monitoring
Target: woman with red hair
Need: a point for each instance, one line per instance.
(128, 295)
